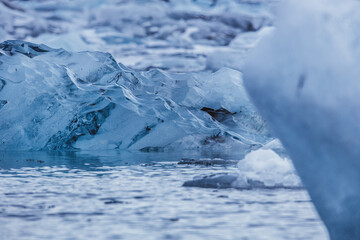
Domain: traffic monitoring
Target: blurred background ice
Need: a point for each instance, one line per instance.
(180, 36)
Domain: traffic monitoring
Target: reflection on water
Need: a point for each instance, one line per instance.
(123, 195)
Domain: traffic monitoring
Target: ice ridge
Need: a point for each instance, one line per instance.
(55, 99)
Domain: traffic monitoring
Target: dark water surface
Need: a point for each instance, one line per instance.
(122, 195)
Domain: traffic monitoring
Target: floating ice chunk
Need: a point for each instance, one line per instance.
(266, 168)
(303, 78)
(262, 168)
(212, 181)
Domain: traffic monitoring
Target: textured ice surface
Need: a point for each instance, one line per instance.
(262, 168)
(54, 99)
(304, 80)
(265, 168)
(179, 36)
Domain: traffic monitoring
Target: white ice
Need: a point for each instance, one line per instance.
(303, 78)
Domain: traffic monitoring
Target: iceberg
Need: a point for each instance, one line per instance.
(303, 79)
(58, 100)
(177, 36)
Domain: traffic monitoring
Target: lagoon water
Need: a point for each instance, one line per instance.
(123, 195)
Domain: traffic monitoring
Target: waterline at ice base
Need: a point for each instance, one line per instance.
(304, 80)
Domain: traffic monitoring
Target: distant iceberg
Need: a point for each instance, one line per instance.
(54, 99)
(177, 36)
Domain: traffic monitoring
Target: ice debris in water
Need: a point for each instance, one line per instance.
(304, 79)
(262, 168)
(224, 180)
(55, 99)
(206, 161)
